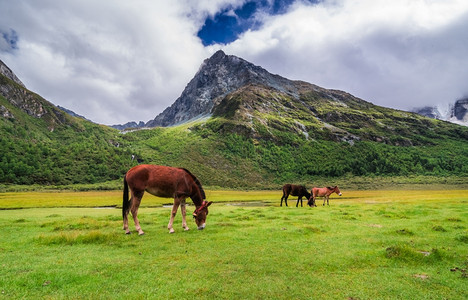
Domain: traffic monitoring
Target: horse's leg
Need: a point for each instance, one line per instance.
(183, 211)
(136, 200)
(286, 199)
(173, 214)
(324, 199)
(299, 199)
(328, 203)
(282, 197)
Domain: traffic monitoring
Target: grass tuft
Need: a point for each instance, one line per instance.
(462, 238)
(73, 238)
(410, 255)
(439, 228)
(405, 232)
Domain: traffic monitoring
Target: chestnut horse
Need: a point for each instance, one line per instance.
(294, 190)
(164, 182)
(324, 192)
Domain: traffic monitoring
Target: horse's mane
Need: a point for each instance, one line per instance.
(197, 182)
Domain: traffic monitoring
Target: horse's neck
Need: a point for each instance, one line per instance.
(197, 198)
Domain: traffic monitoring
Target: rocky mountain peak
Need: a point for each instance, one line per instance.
(218, 76)
(7, 72)
(454, 112)
(460, 110)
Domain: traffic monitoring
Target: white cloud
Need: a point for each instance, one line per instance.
(398, 54)
(120, 61)
(111, 63)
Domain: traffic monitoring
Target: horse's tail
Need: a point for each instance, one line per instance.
(126, 202)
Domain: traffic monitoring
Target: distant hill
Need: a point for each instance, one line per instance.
(456, 113)
(71, 113)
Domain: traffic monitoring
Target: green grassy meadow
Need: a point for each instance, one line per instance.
(384, 244)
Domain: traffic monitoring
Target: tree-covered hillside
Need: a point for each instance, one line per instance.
(223, 157)
(41, 144)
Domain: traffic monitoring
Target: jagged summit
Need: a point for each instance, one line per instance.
(7, 72)
(218, 76)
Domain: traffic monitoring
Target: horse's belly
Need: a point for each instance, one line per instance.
(160, 192)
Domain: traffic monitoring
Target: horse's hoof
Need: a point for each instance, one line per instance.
(128, 232)
(171, 230)
(186, 229)
(141, 233)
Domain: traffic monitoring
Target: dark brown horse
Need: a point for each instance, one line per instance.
(324, 192)
(294, 190)
(165, 182)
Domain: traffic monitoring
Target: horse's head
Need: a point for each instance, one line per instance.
(337, 190)
(200, 214)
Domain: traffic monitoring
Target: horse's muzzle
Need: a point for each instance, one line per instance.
(339, 194)
(201, 227)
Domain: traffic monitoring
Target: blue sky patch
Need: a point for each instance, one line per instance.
(227, 25)
(9, 41)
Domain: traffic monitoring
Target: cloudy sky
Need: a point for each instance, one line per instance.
(115, 61)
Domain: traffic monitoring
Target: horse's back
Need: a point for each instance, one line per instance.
(318, 191)
(287, 188)
(158, 180)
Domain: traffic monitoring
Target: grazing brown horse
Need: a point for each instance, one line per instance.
(165, 182)
(294, 190)
(324, 192)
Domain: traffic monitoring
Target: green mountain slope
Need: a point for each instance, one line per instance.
(41, 144)
(260, 137)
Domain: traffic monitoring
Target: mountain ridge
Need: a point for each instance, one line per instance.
(455, 113)
(217, 77)
(266, 132)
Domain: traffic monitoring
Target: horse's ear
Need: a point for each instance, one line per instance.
(209, 203)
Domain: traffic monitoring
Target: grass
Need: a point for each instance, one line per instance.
(365, 245)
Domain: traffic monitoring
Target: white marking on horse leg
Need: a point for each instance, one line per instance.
(183, 211)
(134, 210)
(125, 223)
(175, 206)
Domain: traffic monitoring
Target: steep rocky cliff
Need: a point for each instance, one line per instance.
(218, 76)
